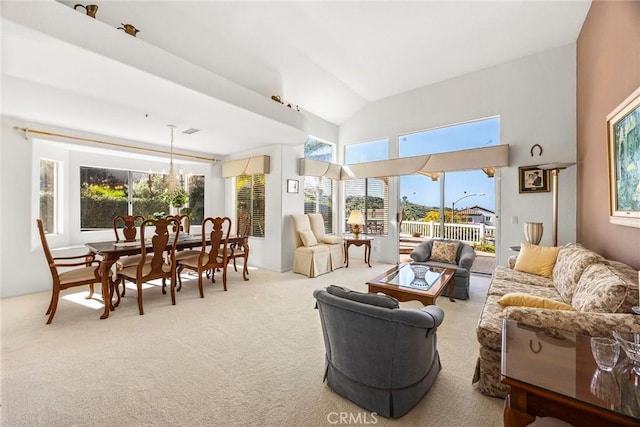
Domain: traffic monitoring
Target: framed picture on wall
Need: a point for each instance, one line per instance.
(623, 138)
(292, 185)
(531, 179)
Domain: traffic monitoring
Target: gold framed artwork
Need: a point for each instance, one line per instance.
(623, 140)
(532, 179)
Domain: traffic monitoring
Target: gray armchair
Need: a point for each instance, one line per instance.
(381, 357)
(464, 259)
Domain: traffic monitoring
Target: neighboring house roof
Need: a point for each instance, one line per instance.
(480, 208)
(470, 212)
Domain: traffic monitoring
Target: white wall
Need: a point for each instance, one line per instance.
(535, 99)
(274, 251)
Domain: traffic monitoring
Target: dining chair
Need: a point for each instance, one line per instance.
(87, 273)
(185, 222)
(213, 253)
(125, 229)
(185, 227)
(153, 264)
(237, 250)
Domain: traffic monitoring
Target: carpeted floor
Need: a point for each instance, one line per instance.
(252, 356)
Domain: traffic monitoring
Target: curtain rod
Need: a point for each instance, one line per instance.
(27, 131)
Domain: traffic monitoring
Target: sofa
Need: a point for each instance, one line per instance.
(315, 252)
(381, 357)
(590, 295)
(461, 260)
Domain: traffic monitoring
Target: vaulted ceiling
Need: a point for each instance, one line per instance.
(214, 65)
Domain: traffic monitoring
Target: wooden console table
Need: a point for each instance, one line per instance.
(552, 373)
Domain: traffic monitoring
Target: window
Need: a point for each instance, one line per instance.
(105, 193)
(370, 195)
(48, 195)
(420, 195)
(318, 191)
(250, 197)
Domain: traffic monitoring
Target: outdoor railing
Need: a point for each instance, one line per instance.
(469, 233)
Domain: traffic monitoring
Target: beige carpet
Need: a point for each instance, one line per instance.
(252, 356)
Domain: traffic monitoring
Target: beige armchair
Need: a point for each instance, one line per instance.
(315, 253)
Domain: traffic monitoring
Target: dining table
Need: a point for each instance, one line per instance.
(110, 251)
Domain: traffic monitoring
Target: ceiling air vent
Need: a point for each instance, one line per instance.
(190, 131)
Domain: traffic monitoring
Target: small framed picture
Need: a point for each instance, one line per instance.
(292, 186)
(531, 179)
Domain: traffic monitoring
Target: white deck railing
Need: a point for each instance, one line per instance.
(469, 233)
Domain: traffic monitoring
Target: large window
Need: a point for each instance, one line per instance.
(318, 191)
(48, 195)
(370, 195)
(421, 195)
(250, 198)
(105, 193)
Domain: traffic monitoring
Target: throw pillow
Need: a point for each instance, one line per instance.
(384, 301)
(538, 260)
(599, 290)
(332, 240)
(444, 251)
(526, 300)
(572, 260)
(308, 238)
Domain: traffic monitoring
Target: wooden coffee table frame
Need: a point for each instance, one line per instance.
(403, 293)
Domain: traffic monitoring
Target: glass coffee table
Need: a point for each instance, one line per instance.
(551, 373)
(407, 282)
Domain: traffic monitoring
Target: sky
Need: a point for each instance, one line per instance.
(421, 189)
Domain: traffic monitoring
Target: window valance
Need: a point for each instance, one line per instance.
(311, 167)
(248, 166)
(430, 165)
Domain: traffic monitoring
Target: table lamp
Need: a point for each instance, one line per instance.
(355, 219)
(555, 169)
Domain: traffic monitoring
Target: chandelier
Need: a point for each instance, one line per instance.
(172, 183)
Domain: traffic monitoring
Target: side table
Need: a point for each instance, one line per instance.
(360, 241)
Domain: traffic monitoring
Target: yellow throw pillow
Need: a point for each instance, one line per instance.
(526, 300)
(308, 238)
(536, 259)
(444, 252)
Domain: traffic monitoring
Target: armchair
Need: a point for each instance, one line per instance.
(381, 357)
(464, 257)
(315, 253)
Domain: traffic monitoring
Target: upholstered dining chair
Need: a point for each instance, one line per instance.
(237, 250)
(86, 273)
(213, 253)
(125, 227)
(154, 265)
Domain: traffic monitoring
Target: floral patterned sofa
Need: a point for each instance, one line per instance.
(600, 292)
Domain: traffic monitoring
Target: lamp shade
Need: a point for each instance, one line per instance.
(355, 217)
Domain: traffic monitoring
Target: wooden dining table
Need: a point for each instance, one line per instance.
(111, 251)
